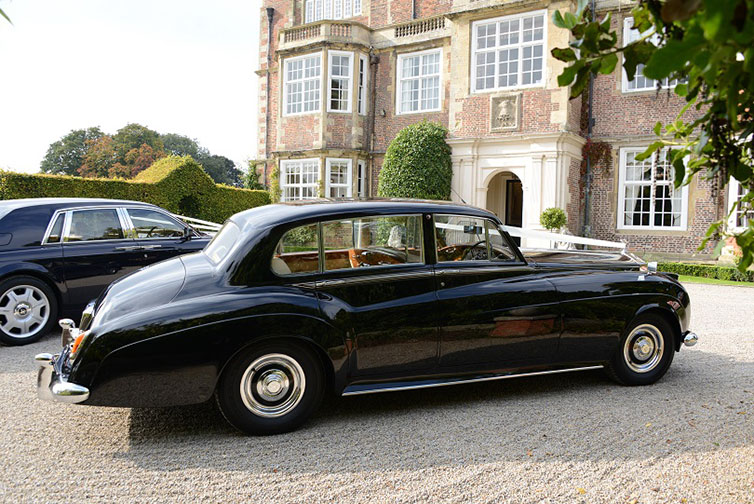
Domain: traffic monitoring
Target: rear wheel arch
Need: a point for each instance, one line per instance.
(41, 277)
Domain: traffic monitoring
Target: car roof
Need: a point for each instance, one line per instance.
(282, 213)
(7, 206)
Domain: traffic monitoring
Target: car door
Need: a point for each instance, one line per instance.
(378, 290)
(96, 251)
(160, 235)
(496, 310)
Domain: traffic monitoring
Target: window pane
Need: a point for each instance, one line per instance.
(95, 225)
(500, 249)
(460, 238)
(373, 241)
(57, 230)
(151, 224)
(297, 251)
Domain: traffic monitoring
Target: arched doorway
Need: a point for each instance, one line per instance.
(505, 197)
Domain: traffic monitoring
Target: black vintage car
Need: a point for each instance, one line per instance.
(291, 300)
(56, 254)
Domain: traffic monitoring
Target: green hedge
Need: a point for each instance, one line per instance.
(178, 184)
(707, 271)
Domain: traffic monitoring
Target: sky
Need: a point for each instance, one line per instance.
(176, 66)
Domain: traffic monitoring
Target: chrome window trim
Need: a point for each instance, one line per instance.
(132, 227)
(69, 218)
(46, 236)
(487, 220)
(383, 277)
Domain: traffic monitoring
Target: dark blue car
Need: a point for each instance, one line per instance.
(58, 254)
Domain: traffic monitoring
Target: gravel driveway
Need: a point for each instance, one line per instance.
(563, 438)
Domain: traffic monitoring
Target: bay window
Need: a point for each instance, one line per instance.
(419, 81)
(338, 178)
(340, 75)
(299, 179)
(647, 196)
(302, 79)
(508, 52)
(317, 10)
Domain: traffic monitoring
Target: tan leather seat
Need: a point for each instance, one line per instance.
(280, 267)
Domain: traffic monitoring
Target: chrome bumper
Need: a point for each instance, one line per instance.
(53, 387)
(690, 339)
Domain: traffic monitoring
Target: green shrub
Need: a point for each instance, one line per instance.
(178, 184)
(553, 218)
(417, 164)
(707, 271)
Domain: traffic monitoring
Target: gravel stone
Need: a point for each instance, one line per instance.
(552, 439)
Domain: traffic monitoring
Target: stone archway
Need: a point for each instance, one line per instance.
(505, 198)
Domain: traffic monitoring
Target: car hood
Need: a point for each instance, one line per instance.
(154, 285)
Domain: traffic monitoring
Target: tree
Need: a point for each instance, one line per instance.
(251, 179)
(179, 145)
(100, 157)
(133, 136)
(137, 160)
(222, 170)
(65, 156)
(553, 219)
(708, 45)
(417, 164)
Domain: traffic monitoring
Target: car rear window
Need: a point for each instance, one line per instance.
(222, 243)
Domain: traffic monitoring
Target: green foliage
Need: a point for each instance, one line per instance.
(251, 178)
(178, 184)
(553, 218)
(4, 15)
(707, 271)
(302, 235)
(65, 156)
(710, 45)
(417, 164)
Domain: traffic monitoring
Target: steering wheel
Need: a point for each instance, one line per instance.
(473, 254)
(151, 230)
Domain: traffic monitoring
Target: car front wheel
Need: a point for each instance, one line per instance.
(271, 389)
(28, 309)
(645, 353)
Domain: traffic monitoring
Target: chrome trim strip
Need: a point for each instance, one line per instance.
(374, 278)
(508, 266)
(470, 380)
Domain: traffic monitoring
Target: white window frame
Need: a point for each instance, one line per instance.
(622, 198)
(733, 188)
(286, 61)
(666, 82)
(349, 87)
(349, 176)
(520, 45)
(361, 178)
(362, 84)
(318, 10)
(399, 81)
(284, 166)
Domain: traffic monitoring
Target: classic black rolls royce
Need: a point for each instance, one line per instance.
(56, 254)
(289, 301)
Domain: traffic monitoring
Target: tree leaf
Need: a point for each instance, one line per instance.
(608, 63)
(5, 16)
(673, 56)
(565, 78)
(566, 54)
(557, 20)
(650, 150)
(570, 20)
(679, 10)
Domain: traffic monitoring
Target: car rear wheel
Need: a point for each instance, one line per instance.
(271, 389)
(28, 310)
(645, 353)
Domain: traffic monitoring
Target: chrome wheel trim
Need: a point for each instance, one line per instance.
(272, 385)
(24, 311)
(644, 348)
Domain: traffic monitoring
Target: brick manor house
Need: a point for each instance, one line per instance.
(339, 79)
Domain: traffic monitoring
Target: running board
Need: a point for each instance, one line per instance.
(374, 388)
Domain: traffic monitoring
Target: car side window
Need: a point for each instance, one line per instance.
(372, 241)
(500, 247)
(56, 231)
(460, 238)
(297, 251)
(93, 225)
(153, 224)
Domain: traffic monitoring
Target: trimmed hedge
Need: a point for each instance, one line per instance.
(178, 184)
(707, 271)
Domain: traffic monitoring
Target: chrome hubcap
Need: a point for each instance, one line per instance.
(644, 348)
(272, 385)
(24, 311)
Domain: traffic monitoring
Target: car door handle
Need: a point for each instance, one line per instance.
(330, 283)
(150, 247)
(126, 249)
(447, 271)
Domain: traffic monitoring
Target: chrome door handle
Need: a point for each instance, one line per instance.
(447, 271)
(150, 247)
(330, 283)
(125, 249)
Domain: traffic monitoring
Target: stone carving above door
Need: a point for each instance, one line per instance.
(505, 112)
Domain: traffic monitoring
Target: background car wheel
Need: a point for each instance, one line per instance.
(271, 389)
(645, 352)
(28, 310)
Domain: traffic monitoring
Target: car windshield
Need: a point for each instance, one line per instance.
(223, 241)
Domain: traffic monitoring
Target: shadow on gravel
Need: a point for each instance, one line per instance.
(572, 417)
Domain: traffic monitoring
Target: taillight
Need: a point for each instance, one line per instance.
(77, 344)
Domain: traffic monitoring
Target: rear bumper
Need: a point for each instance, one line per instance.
(52, 386)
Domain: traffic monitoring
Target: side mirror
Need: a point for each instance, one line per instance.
(188, 233)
